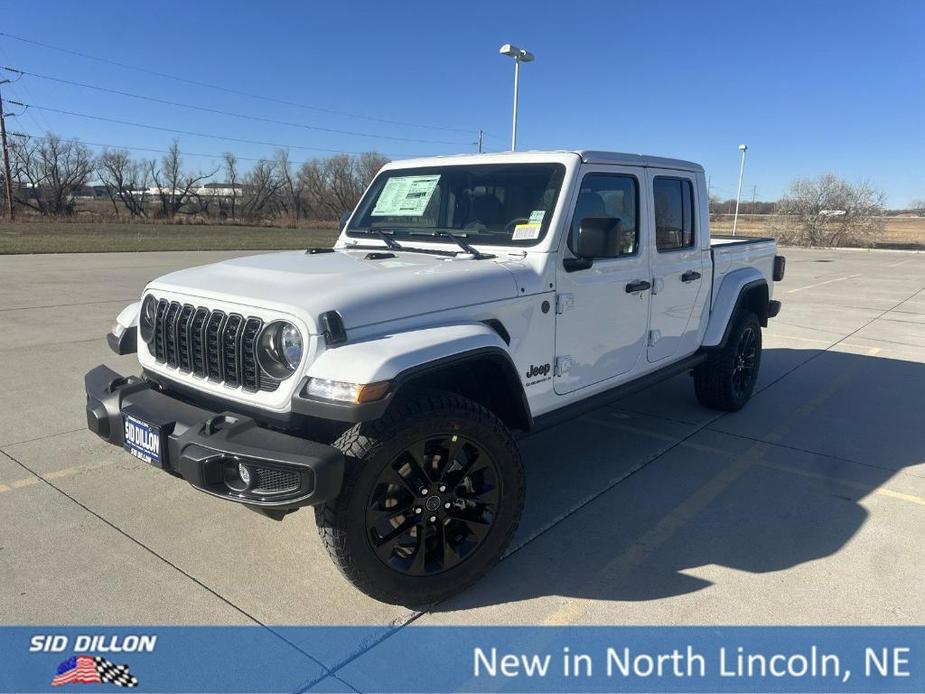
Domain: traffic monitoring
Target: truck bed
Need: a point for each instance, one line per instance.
(733, 252)
(727, 239)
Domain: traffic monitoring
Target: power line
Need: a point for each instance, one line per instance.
(191, 133)
(153, 150)
(229, 90)
(245, 116)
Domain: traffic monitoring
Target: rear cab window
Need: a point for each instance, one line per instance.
(674, 213)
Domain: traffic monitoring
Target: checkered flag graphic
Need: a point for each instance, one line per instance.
(114, 674)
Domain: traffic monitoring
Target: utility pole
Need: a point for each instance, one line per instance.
(754, 193)
(6, 159)
(480, 140)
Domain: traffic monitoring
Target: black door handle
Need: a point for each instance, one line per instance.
(690, 276)
(638, 286)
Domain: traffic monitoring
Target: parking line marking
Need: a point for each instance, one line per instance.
(57, 474)
(650, 542)
(819, 284)
(879, 491)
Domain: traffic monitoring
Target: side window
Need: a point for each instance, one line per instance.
(674, 213)
(612, 196)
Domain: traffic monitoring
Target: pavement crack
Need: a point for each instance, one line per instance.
(167, 561)
(417, 614)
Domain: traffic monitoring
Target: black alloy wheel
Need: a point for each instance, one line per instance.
(746, 360)
(433, 505)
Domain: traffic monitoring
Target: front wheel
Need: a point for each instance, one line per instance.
(432, 495)
(725, 381)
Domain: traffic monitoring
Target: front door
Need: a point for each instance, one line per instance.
(603, 309)
(676, 262)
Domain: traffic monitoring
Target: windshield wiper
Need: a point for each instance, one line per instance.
(463, 243)
(458, 240)
(384, 235)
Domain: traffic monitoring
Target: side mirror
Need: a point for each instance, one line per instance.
(344, 218)
(598, 237)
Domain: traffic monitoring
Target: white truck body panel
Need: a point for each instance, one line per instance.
(403, 311)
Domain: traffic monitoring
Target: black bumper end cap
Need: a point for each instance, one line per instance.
(98, 419)
(126, 343)
(773, 308)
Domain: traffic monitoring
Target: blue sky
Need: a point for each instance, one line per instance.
(810, 86)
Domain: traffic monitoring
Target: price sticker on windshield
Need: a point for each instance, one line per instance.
(526, 232)
(406, 196)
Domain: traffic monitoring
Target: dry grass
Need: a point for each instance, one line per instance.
(78, 237)
(87, 237)
(898, 232)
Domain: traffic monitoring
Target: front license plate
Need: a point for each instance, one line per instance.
(143, 440)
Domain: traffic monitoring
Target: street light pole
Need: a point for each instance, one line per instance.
(520, 56)
(735, 220)
(516, 91)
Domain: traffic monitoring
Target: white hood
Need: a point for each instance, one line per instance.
(363, 290)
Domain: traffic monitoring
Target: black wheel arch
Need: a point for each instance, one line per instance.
(485, 375)
(754, 296)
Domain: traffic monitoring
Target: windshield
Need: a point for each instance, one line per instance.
(493, 204)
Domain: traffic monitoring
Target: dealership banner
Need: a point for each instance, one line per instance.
(462, 659)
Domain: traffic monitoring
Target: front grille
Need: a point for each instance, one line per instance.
(273, 481)
(210, 344)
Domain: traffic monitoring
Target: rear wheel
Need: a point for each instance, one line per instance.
(726, 380)
(432, 495)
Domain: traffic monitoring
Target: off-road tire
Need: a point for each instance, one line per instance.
(371, 446)
(715, 379)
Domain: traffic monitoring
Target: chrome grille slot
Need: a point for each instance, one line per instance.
(198, 339)
(184, 357)
(250, 372)
(230, 349)
(170, 333)
(214, 359)
(158, 343)
(210, 344)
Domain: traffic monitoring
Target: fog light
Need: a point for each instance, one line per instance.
(245, 474)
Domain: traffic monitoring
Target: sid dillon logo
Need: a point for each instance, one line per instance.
(93, 669)
(86, 669)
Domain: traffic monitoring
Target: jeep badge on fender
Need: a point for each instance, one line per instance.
(386, 381)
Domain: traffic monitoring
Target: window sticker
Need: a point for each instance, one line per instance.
(537, 216)
(406, 196)
(526, 232)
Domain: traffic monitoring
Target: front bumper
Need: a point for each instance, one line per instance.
(205, 447)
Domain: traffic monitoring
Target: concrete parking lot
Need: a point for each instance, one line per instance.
(806, 507)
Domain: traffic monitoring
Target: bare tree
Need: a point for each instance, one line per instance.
(918, 206)
(292, 187)
(829, 211)
(126, 180)
(333, 185)
(231, 175)
(260, 189)
(49, 171)
(173, 185)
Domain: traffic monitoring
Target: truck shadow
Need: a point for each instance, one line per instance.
(625, 506)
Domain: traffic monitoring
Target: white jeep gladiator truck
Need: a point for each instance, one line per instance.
(467, 301)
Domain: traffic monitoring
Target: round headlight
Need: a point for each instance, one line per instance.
(148, 318)
(279, 349)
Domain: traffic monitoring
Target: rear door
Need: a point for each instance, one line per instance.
(602, 320)
(676, 261)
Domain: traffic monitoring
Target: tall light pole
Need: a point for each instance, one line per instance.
(735, 220)
(520, 56)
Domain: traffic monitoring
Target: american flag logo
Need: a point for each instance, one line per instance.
(86, 669)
